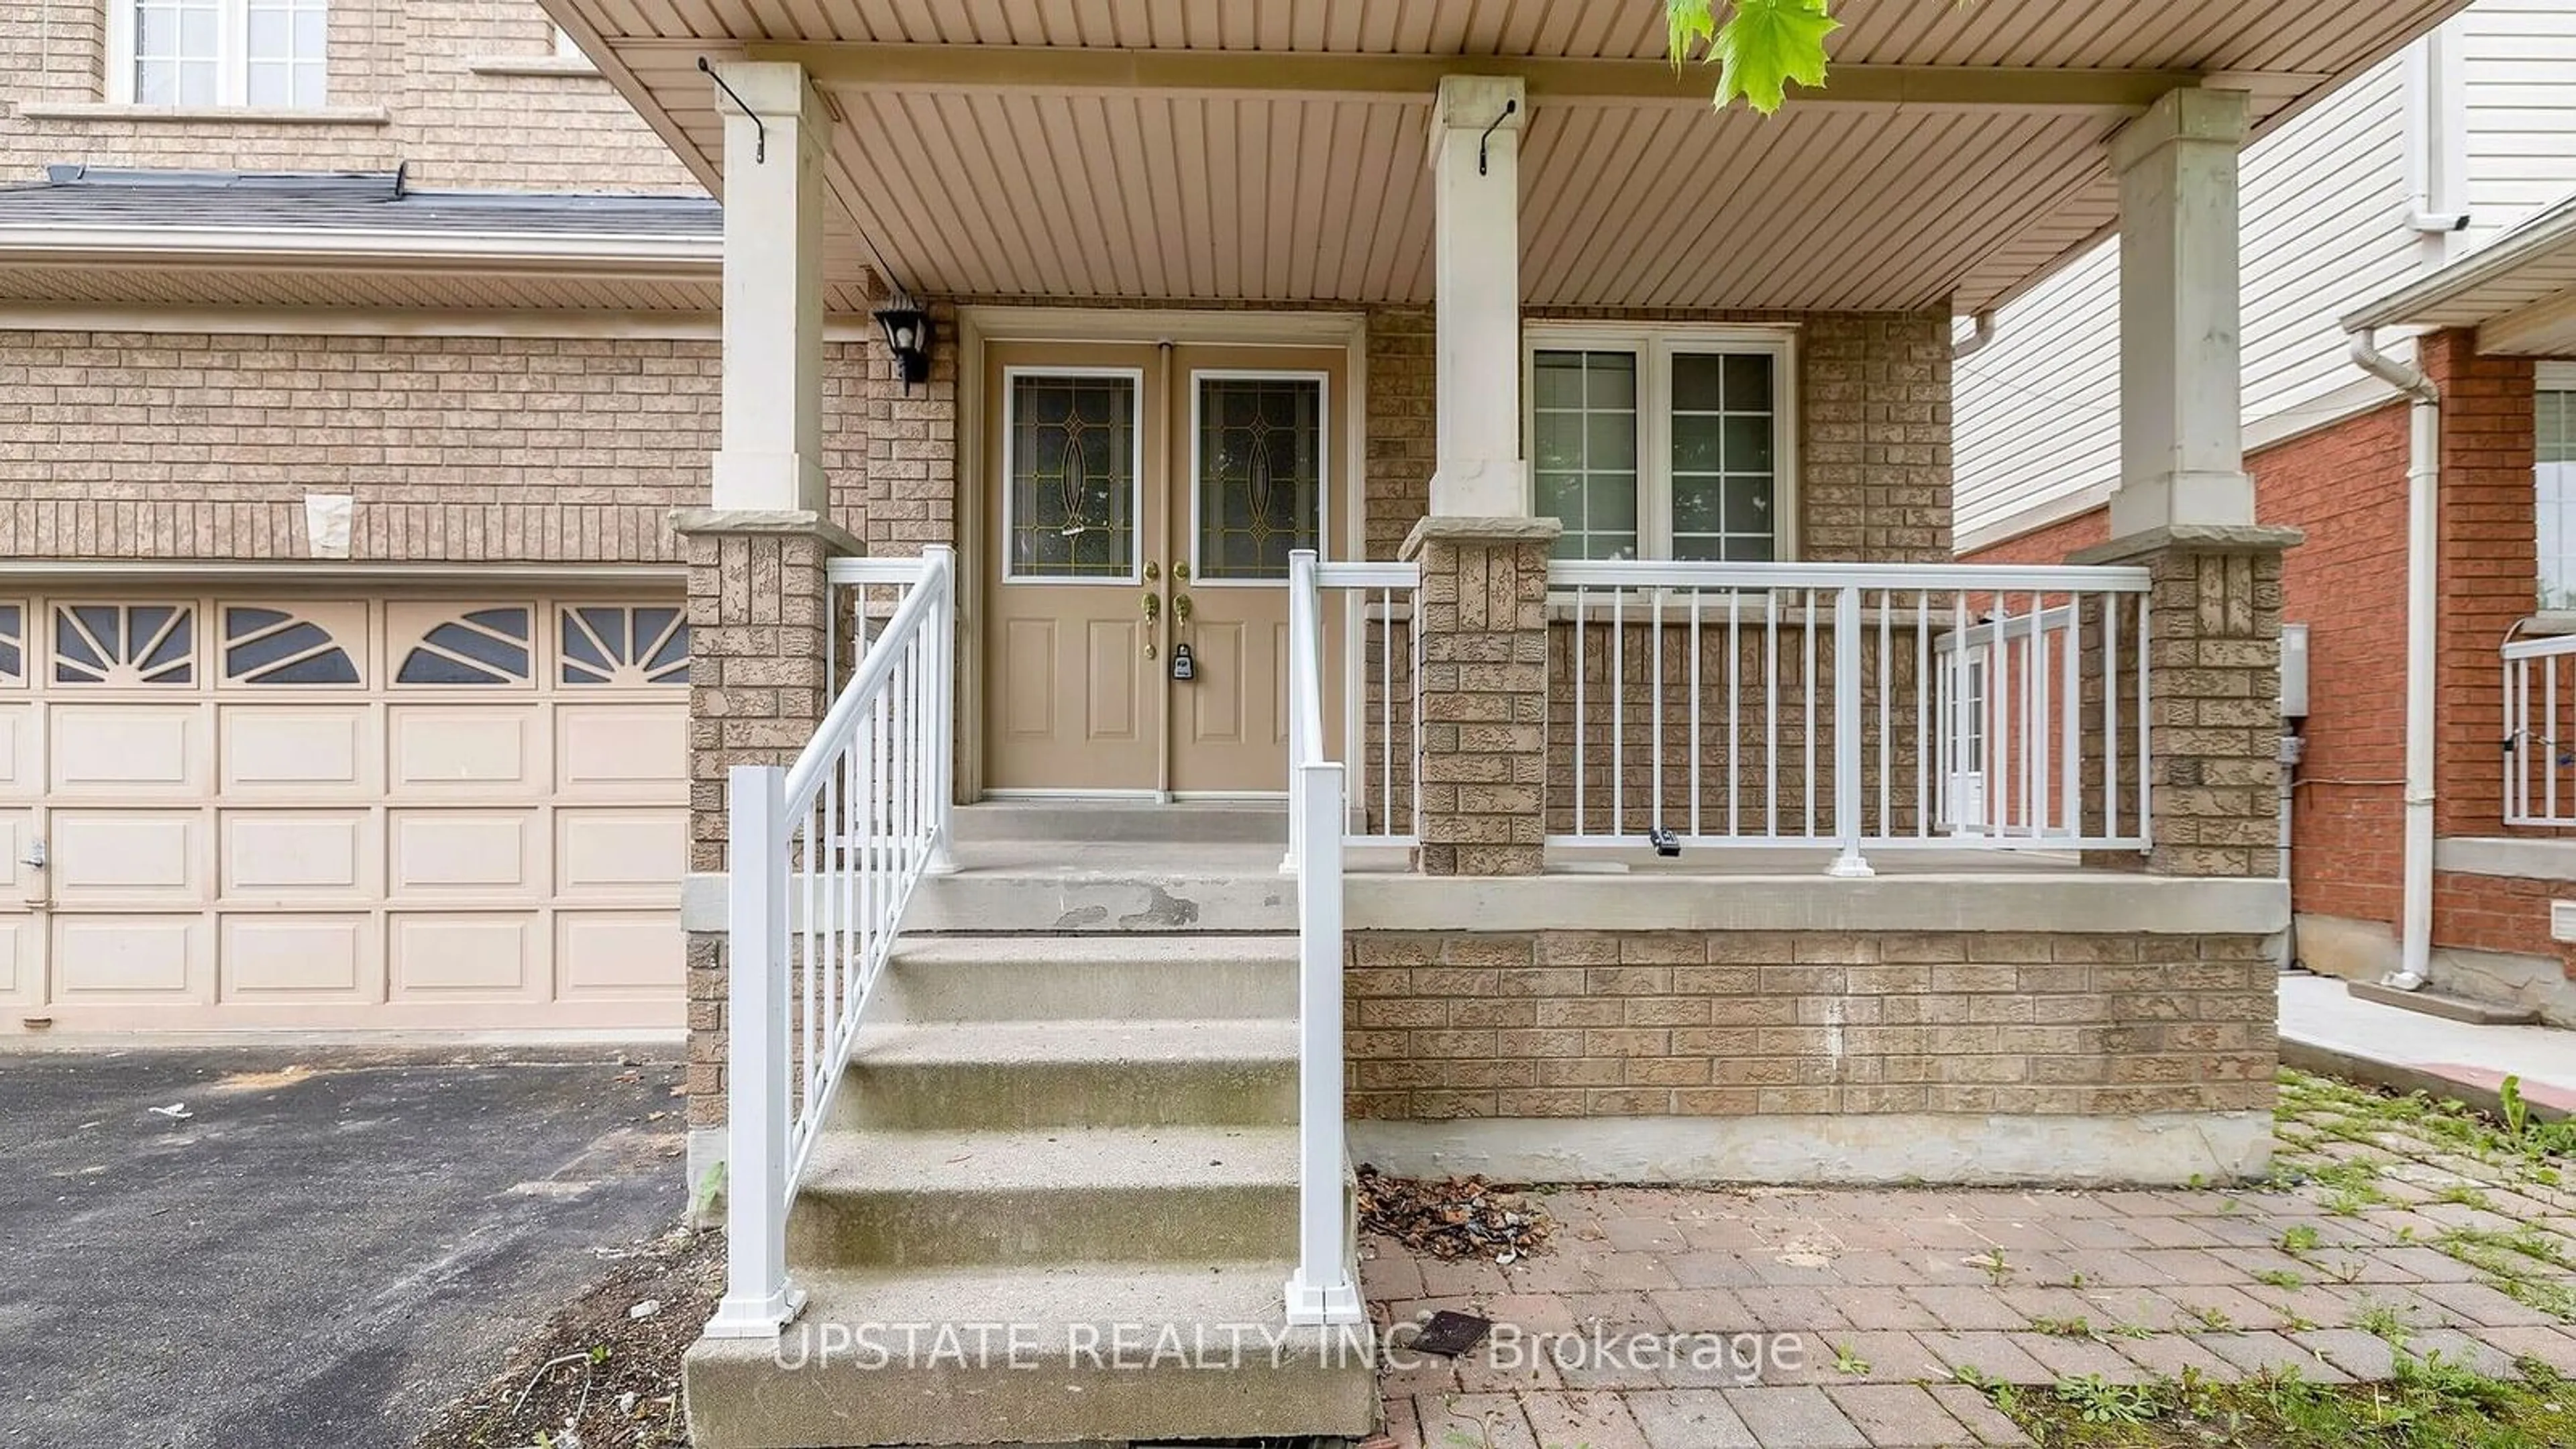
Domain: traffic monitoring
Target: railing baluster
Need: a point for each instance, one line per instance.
(2549, 738)
(1847, 746)
(2070, 734)
(1696, 744)
(2034, 755)
(1734, 708)
(2111, 715)
(1618, 713)
(1999, 711)
(2146, 822)
(1655, 718)
(1808, 689)
(1923, 715)
(1886, 702)
(1386, 709)
(1771, 714)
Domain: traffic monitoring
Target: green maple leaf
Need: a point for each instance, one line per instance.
(1762, 46)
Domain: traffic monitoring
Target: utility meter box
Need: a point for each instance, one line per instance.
(2294, 671)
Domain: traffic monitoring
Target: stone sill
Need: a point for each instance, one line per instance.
(2513, 857)
(530, 65)
(2079, 902)
(225, 115)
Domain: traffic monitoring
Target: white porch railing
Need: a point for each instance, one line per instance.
(1853, 706)
(1321, 1290)
(2540, 731)
(1370, 607)
(824, 856)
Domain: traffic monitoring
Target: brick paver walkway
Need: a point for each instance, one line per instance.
(1697, 1319)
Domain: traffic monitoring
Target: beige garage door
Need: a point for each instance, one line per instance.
(291, 810)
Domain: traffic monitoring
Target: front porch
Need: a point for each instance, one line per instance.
(1659, 800)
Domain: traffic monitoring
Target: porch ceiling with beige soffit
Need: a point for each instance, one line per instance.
(1221, 150)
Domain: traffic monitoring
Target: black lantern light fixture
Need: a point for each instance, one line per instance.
(907, 335)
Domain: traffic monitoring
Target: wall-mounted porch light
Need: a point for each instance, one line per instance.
(907, 335)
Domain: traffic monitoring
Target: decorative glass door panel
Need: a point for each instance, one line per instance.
(1260, 474)
(1073, 475)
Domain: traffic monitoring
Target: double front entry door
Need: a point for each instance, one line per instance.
(1142, 502)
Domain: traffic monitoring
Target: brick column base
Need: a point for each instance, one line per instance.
(2214, 662)
(758, 688)
(1480, 693)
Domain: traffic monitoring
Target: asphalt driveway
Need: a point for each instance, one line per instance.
(326, 1248)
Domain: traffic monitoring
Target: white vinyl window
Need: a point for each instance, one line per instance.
(2553, 478)
(1662, 443)
(260, 54)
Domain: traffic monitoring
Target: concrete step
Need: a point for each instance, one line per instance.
(1088, 977)
(970, 1075)
(1188, 822)
(1120, 1194)
(2448, 1007)
(1068, 887)
(1037, 1360)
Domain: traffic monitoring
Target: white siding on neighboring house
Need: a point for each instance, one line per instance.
(2036, 414)
(2521, 63)
(2323, 221)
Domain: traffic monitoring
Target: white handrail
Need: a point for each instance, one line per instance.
(1320, 1291)
(825, 855)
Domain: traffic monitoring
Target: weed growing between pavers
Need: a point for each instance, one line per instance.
(2372, 1152)
(2430, 1403)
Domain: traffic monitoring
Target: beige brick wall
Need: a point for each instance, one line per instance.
(463, 449)
(2215, 695)
(457, 128)
(1641, 1023)
(757, 630)
(1481, 625)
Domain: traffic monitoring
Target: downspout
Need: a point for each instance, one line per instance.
(1976, 340)
(2423, 483)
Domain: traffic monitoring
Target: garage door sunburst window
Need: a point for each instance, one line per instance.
(604, 644)
(486, 646)
(272, 646)
(122, 644)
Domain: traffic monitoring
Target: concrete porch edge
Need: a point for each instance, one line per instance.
(1856, 1148)
(2099, 903)
(2086, 902)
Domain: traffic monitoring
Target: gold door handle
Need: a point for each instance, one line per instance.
(1180, 571)
(1153, 606)
(1181, 607)
(1153, 571)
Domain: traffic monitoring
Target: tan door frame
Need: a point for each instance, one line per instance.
(979, 325)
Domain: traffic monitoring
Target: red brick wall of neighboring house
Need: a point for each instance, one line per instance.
(2488, 569)
(2495, 913)
(2345, 485)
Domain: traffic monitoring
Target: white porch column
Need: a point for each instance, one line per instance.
(771, 455)
(2182, 454)
(1476, 182)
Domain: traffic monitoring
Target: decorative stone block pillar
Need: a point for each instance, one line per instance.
(759, 683)
(2213, 699)
(1480, 680)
